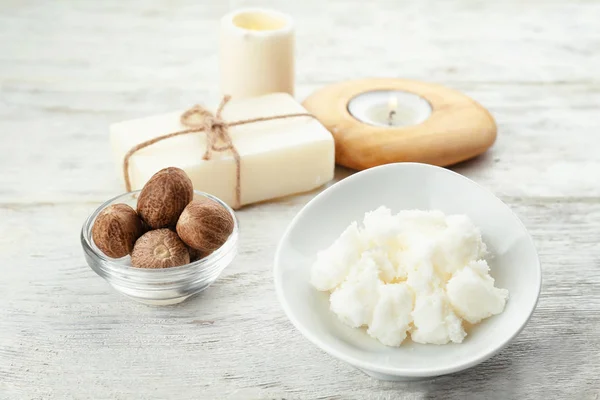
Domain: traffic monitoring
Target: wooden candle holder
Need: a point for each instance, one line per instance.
(457, 129)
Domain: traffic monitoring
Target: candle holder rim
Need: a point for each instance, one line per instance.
(381, 125)
(228, 21)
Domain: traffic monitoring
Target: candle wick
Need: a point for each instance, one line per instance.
(391, 117)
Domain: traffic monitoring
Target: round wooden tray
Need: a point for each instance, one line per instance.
(457, 129)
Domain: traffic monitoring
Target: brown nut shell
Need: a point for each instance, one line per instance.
(204, 225)
(116, 229)
(160, 248)
(164, 197)
(196, 255)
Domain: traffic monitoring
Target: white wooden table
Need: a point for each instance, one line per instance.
(68, 69)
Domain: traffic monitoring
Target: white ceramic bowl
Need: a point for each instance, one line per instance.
(514, 264)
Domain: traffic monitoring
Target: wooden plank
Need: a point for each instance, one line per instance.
(543, 145)
(63, 325)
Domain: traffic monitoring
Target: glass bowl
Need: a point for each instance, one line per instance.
(158, 286)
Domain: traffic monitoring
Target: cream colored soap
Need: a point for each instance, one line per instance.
(279, 157)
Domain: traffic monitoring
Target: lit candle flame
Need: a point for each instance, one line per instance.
(393, 103)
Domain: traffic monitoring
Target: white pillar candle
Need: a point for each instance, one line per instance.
(256, 53)
(391, 108)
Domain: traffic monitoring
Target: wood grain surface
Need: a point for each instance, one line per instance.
(68, 69)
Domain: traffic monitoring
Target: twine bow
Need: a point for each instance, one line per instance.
(198, 119)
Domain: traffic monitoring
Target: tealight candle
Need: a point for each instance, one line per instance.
(256, 53)
(392, 108)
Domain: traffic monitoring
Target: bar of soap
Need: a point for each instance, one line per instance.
(279, 158)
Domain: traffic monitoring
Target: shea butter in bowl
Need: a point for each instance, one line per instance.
(353, 327)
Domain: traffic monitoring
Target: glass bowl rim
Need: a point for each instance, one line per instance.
(112, 266)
